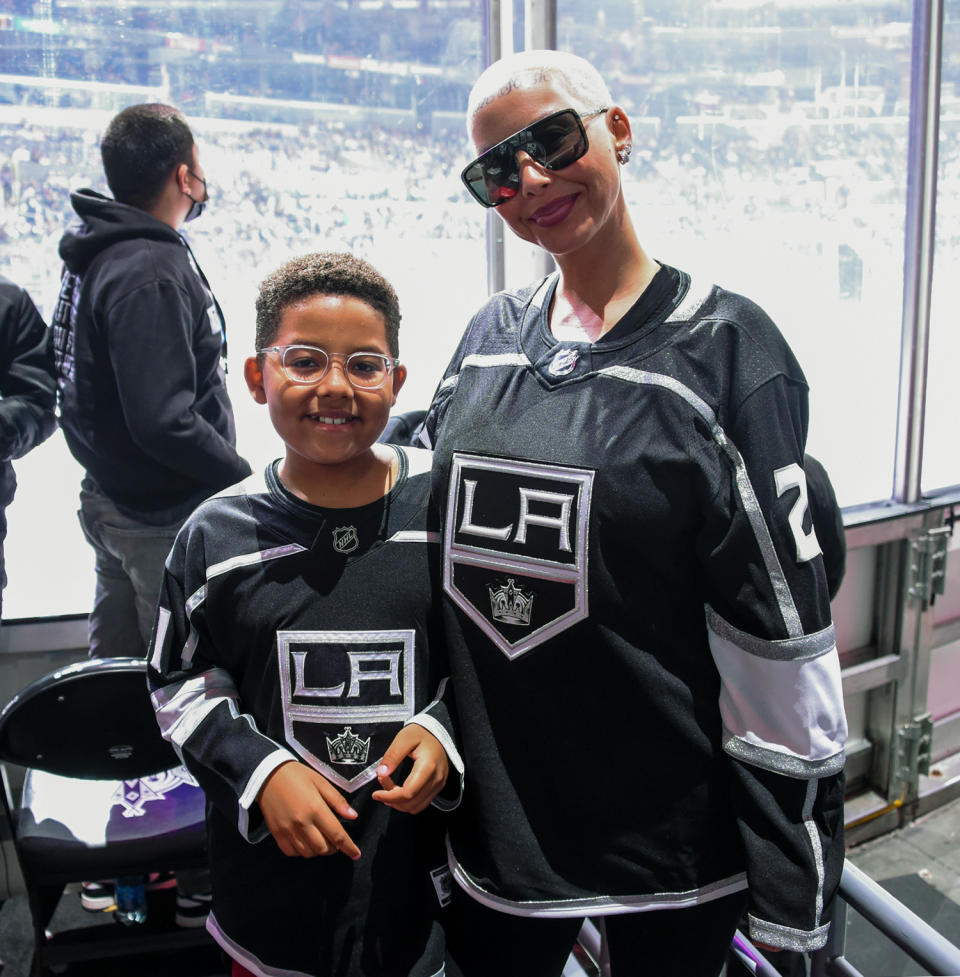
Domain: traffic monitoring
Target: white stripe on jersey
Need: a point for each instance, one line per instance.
(748, 498)
(249, 559)
(781, 702)
(234, 563)
(257, 779)
(163, 620)
(690, 304)
(182, 707)
(495, 359)
(414, 536)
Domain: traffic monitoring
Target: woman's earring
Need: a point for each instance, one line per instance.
(623, 153)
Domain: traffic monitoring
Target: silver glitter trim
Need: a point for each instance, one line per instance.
(814, 835)
(786, 937)
(788, 764)
(804, 648)
(594, 905)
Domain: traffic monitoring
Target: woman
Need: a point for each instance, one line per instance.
(639, 626)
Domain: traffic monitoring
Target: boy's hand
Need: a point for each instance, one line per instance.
(302, 811)
(425, 780)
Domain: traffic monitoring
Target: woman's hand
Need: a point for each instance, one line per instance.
(303, 811)
(425, 780)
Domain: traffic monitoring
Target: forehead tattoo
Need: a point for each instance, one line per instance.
(527, 79)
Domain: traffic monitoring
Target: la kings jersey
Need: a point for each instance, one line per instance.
(638, 623)
(287, 631)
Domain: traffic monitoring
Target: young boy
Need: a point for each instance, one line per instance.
(294, 648)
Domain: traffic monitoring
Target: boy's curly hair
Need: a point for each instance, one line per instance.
(325, 273)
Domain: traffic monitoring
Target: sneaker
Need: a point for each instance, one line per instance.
(97, 897)
(192, 910)
(159, 880)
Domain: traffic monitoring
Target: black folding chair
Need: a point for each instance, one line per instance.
(103, 796)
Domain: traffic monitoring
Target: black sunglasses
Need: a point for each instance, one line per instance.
(557, 141)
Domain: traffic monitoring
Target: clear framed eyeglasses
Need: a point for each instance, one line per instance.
(310, 364)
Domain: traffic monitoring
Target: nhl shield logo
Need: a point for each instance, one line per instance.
(516, 547)
(345, 539)
(563, 362)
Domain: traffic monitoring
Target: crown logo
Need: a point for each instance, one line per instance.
(510, 605)
(348, 747)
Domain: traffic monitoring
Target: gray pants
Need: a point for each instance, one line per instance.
(129, 560)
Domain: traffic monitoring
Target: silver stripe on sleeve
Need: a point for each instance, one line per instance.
(779, 713)
(786, 937)
(787, 649)
(815, 846)
(163, 622)
(778, 762)
(182, 707)
(195, 600)
(748, 498)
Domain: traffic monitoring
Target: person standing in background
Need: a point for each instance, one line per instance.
(140, 348)
(28, 389)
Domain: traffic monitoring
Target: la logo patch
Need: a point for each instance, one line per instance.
(344, 694)
(516, 547)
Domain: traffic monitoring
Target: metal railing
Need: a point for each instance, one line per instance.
(920, 941)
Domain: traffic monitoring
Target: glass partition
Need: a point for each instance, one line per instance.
(941, 459)
(770, 156)
(320, 125)
(770, 147)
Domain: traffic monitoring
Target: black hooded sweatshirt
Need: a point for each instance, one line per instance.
(139, 345)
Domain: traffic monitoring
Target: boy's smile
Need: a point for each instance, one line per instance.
(329, 426)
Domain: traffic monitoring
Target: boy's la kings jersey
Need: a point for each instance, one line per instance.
(638, 626)
(286, 631)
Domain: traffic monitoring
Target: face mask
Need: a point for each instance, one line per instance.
(197, 206)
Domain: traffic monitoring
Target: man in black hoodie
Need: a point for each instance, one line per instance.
(140, 349)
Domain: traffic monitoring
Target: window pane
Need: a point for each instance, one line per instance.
(941, 459)
(320, 125)
(770, 145)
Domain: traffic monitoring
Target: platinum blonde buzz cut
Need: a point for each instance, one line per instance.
(530, 69)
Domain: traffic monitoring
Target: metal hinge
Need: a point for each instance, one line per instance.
(928, 564)
(912, 746)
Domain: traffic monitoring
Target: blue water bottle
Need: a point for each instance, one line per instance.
(131, 900)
